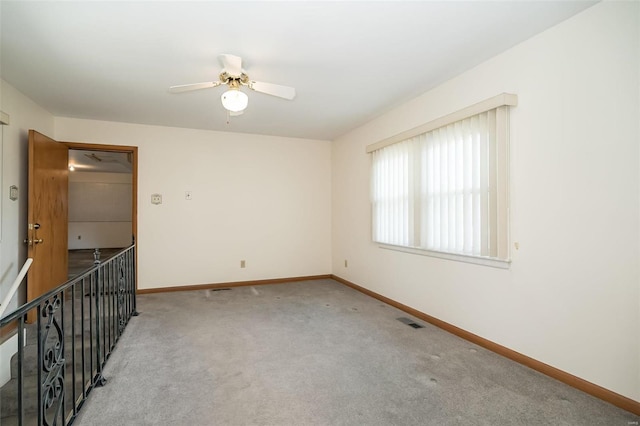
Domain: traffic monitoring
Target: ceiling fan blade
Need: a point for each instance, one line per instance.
(194, 86)
(273, 89)
(93, 156)
(232, 64)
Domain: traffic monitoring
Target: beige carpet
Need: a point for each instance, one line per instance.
(316, 353)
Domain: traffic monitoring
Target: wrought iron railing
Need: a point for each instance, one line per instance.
(65, 351)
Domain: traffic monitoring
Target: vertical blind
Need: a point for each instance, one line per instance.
(445, 190)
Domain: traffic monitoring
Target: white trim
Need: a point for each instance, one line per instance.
(486, 105)
(503, 242)
(15, 285)
(4, 118)
(485, 261)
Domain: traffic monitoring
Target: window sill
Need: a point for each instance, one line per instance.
(485, 261)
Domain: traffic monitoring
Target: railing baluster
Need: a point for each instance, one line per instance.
(21, 344)
(92, 288)
(82, 331)
(112, 331)
(99, 379)
(103, 317)
(63, 392)
(117, 297)
(128, 286)
(134, 269)
(40, 360)
(114, 300)
(73, 349)
(107, 310)
(107, 307)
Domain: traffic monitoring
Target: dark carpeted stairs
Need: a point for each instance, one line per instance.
(73, 386)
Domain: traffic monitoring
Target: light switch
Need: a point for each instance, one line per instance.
(13, 192)
(156, 199)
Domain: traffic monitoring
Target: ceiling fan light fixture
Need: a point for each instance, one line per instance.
(234, 100)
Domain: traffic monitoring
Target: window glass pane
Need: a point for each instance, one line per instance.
(438, 190)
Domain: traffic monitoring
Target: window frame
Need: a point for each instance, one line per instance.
(501, 103)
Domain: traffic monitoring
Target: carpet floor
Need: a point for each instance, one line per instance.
(316, 353)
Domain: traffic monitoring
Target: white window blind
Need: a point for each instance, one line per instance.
(446, 189)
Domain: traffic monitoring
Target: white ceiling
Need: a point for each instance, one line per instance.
(349, 61)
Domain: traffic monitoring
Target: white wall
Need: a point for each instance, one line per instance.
(265, 200)
(571, 298)
(100, 206)
(24, 115)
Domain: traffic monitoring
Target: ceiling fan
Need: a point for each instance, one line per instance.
(232, 74)
(106, 159)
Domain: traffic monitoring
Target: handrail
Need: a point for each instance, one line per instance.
(35, 302)
(15, 285)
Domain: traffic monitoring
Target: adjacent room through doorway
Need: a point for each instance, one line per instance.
(100, 206)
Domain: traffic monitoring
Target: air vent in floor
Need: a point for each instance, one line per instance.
(410, 322)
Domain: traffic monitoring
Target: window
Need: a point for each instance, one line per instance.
(443, 187)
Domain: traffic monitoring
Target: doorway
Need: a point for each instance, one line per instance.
(102, 202)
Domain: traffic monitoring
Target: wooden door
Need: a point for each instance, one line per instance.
(47, 215)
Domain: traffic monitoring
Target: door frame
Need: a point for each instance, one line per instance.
(134, 178)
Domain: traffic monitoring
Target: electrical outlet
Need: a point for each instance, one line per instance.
(156, 199)
(243, 264)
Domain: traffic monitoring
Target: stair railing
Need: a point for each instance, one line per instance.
(77, 327)
(15, 285)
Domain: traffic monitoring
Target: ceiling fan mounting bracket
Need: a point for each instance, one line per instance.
(234, 81)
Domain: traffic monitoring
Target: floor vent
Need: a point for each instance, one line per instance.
(220, 289)
(410, 322)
